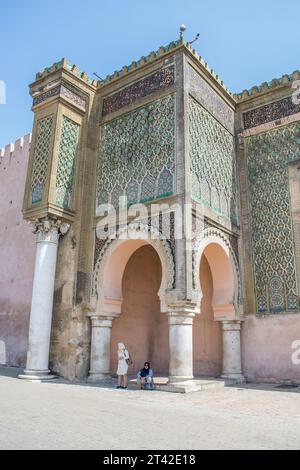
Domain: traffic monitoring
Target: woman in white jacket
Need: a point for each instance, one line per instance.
(123, 356)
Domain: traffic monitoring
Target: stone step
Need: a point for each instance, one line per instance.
(162, 384)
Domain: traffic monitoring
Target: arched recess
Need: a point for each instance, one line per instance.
(112, 260)
(226, 298)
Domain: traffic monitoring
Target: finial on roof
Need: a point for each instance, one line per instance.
(182, 30)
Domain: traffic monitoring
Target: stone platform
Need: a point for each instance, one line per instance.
(162, 384)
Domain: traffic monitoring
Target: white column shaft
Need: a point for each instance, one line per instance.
(232, 363)
(181, 347)
(47, 236)
(100, 349)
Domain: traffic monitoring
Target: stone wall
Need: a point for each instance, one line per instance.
(17, 253)
(268, 346)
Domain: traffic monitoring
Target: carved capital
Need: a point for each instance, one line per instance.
(49, 230)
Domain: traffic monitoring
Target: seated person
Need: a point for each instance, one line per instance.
(145, 377)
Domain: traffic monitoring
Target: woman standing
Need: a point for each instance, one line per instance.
(123, 356)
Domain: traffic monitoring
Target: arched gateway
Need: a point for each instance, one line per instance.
(108, 298)
(107, 287)
(215, 247)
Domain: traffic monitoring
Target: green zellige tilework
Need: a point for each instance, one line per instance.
(137, 154)
(268, 155)
(40, 158)
(66, 162)
(212, 156)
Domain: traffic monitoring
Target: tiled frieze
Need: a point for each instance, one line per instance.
(66, 162)
(65, 90)
(137, 154)
(270, 112)
(159, 80)
(213, 167)
(40, 158)
(272, 241)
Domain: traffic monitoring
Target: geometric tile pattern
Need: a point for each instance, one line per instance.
(137, 154)
(66, 162)
(213, 167)
(211, 101)
(40, 158)
(273, 250)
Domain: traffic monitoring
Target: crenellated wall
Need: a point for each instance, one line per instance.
(17, 254)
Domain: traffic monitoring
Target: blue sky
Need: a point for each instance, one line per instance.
(246, 43)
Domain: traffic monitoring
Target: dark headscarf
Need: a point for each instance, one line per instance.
(144, 372)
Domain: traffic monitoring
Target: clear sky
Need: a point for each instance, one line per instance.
(245, 42)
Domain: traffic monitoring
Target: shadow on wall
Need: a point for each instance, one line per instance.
(141, 326)
(207, 339)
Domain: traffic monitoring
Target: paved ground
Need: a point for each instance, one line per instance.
(60, 415)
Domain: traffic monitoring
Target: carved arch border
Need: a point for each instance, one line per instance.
(151, 236)
(212, 234)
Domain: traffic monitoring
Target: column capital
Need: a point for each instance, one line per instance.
(99, 321)
(183, 308)
(180, 318)
(231, 325)
(103, 315)
(49, 229)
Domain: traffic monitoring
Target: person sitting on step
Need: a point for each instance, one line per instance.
(145, 377)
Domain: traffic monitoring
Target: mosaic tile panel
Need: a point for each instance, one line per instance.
(137, 154)
(213, 165)
(148, 85)
(268, 155)
(270, 112)
(66, 162)
(211, 100)
(40, 158)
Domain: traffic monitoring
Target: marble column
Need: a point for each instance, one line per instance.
(47, 236)
(232, 362)
(180, 346)
(100, 348)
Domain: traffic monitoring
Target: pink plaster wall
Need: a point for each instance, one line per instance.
(207, 337)
(17, 253)
(141, 326)
(267, 348)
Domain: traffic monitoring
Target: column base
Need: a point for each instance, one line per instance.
(96, 377)
(36, 375)
(233, 378)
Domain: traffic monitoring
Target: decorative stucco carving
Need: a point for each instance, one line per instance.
(140, 232)
(211, 235)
